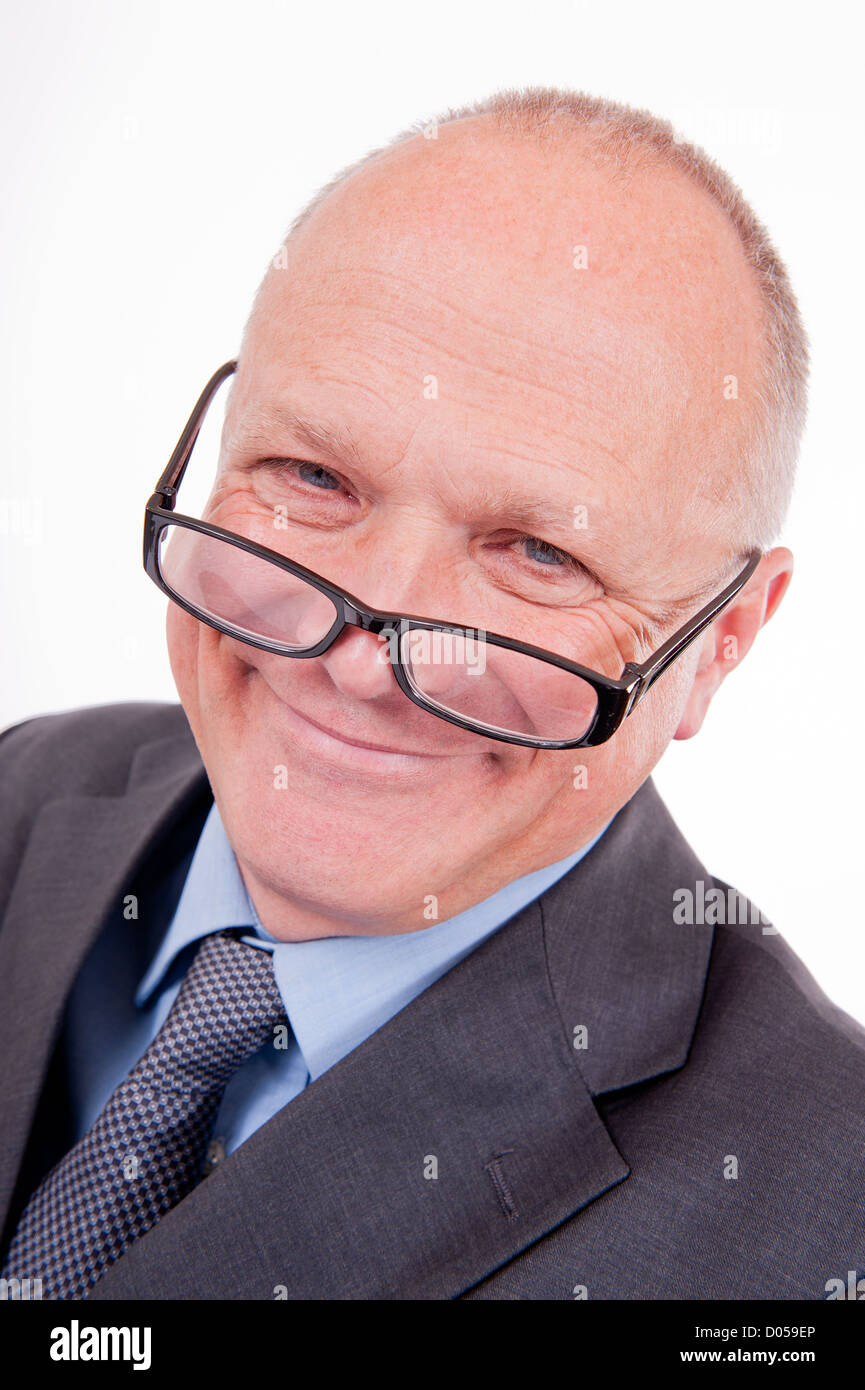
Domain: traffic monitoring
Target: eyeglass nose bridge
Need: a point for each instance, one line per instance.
(383, 625)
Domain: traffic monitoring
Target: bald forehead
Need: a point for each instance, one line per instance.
(548, 232)
(539, 239)
(503, 199)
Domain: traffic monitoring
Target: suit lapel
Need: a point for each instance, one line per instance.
(621, 967)
(78, 864)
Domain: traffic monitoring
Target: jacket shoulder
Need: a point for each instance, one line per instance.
(85, 752)
(753, 965)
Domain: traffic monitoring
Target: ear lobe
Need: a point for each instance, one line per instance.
(707, 678)
(733, 634)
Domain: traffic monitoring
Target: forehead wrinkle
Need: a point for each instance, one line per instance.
(573, 474)
(492, 322)
(524, 363)
(605, 335)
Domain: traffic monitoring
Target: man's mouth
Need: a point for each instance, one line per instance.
(350, 752)
(360, 743)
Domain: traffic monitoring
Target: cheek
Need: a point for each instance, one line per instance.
(208, 672)
(671, 693)
(182, 632)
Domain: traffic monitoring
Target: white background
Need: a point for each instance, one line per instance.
(153, 155)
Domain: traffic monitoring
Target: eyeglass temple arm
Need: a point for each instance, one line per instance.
(649, 671)
(172, 475)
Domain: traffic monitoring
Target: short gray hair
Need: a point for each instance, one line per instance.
(620, 134)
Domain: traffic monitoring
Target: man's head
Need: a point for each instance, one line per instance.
(512, 343)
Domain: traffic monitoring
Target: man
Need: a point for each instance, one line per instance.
(402, 929)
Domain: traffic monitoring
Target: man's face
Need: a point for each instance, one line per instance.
(485, 408)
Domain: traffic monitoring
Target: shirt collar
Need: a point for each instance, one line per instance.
(336, 990)
(214, 897)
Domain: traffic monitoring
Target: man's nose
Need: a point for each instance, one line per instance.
(359, 665)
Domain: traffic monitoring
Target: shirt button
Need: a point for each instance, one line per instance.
(215, 1154)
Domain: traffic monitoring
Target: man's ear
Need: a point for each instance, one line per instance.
(728, 639)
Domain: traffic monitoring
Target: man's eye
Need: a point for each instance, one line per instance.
(315, 475)
(542, 553)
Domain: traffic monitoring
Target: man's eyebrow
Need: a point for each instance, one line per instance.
(505, 504)
(264, 428)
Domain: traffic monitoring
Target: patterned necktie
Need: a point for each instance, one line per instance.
(145, 1150)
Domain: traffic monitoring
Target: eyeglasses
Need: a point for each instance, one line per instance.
(481, 681)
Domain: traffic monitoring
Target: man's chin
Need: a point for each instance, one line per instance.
(326, 871)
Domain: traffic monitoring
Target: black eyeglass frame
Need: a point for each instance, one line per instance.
(616, 698)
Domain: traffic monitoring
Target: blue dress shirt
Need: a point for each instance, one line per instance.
(336, 990)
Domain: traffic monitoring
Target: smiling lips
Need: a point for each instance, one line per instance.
(371, 756)
(358, 743)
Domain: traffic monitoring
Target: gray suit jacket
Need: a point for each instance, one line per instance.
(707, 1141)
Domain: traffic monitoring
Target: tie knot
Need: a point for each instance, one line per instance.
(227, 1008)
